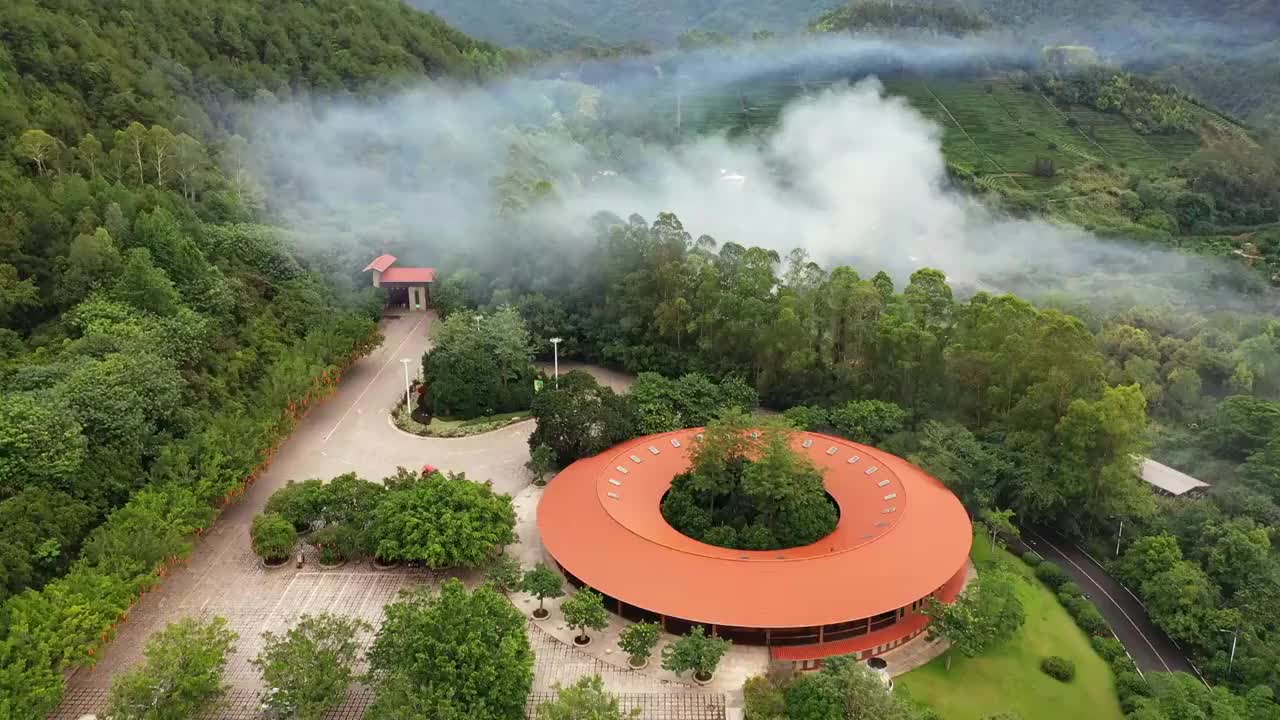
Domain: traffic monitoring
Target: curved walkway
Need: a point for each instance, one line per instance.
(347, 433)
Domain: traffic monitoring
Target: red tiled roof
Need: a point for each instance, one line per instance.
(901, 536)
(408, 275)
(380, 263)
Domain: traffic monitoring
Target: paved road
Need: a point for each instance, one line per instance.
(1151, 649)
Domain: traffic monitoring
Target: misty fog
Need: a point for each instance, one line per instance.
(849, 174)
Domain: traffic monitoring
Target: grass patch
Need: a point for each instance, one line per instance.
(455, 428)
(1008, 678)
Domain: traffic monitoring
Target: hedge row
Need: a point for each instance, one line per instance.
(64, 625)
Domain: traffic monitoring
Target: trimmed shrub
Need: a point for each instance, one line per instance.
(1070, 589)
(1089, 617)
(1058, 668)
(339, 542)
(1130, 687)
(1052, 575)
(1108, 648)
(1123, 664)
(1032, 558)
(273, 537)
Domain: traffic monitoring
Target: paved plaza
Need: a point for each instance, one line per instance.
(352, 432)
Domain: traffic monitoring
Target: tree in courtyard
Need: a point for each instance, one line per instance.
(542, 460)
(542, 582)
(308, 669)
(273, 537)
(638, 640)
(584, 610)
(445, 522)
(584, 700)
(301, 503)
(987, 612)
(452, 655)
(479, 364)
(847, 690)
(580, 418)
(504, 574)
(696, 652)
(182, 675)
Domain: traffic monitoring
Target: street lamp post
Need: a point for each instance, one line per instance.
(1235, 635)
(555, 351)
(407, 404)
(1118, 536)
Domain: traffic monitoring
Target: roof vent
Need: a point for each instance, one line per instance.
(613, 495)
(621, 470)
(890, 509)
(872, 469)
(853, 459)
(675, 442)
(653, 450)
(833, 450)
(808, 442)
(883, 482)
(699, 437)
(891, 496)
(883, 523)
(868, 536)
(614, 482)
(635, 458)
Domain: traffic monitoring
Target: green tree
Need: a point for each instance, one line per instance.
(542, 582)
(273, 537)
(15, 294)
(542, 461)
(986, 613)
(145, 286)
(580, 418)
(40, 443)
(584, 700)
(182, 675)
(868, 421)
(445, 522)
(308, 669)
(696, 652)
(844, 689)
(504, 574)
(37, 147)
(454, 655)
(585, 611)
(638, 640)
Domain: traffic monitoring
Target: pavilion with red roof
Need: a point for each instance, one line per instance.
(902, 538)
(407, 287)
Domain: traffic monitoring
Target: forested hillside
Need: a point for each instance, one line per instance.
(158, 336)
(1224, 52)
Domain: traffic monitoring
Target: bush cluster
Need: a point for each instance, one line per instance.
(1058, 668)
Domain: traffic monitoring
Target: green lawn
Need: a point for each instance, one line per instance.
(1008, 678)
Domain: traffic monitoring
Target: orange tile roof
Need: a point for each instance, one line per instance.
(409, 275)
(381, 263)
(901, 536)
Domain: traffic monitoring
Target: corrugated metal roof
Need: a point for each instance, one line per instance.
(872, 563)
(1169, 480)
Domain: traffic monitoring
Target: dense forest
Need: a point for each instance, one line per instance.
(158, 336)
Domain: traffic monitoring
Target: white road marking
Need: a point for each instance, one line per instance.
(1113, 600)
(392, 358)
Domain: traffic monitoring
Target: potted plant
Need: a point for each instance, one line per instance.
(542, 582)
(696, 652)
(584, 610)
(541, 462)
(638, 641)
(273, 539)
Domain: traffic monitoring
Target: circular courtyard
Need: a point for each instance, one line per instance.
(901, 538)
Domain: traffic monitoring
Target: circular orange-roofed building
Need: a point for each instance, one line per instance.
(901, 538)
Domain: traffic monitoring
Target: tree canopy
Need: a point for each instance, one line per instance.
(445, 522)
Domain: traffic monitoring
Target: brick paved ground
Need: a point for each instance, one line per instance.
(350, 432)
